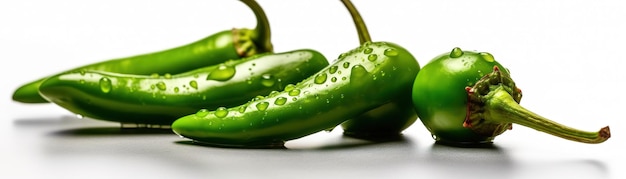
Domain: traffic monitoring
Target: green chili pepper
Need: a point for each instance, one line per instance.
(361, 80)
(465, 97)
(214, 49)
(142, 99)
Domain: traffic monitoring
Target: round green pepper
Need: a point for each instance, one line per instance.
(466, 97)
(214, 49)
(361, 80)
(150, 100)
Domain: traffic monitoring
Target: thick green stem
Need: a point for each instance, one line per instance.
(262, 35)
(364, 35)
(500, 107)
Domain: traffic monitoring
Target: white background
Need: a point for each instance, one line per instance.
(567, 56)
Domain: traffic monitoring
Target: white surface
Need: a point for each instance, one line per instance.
(567, 56)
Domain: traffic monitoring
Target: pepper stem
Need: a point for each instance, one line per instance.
(262, 35)
(364, 35)
(493, 105)
(502, 108)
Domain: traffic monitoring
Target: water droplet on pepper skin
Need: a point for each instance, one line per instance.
(105, 85)
(280, 101)
(346, 64)
(487, 57)
(267, 80)
(391, 52)
(321, 78)
(242, 109)
(221, 112)
(333, 69)
(202, 113)
(456, 52)
(161, 85)
(222, 73)
(368, 50)
(193, 84)
(262, 106)
(358, 71)
(290, 87)
(294, 92)
(372, 57)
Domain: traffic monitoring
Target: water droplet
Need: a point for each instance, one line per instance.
(221, 112)
(368, 50)
(456, 52)
(294, 99)
(487, 57)
(242, 109)
(167, 76)
(280, 101)
(81, 81)
(161, 85)
(267, 80)
(105, 85)
(176, 89)
(294, 92)
(193, 84)
(346, 64)
(358, 71)
(372, 57)
(258, 98)
(262, 106)
(333, 79)
(343, 55)
(202, 113)
(273, 93)
(290, 87)
(342, 95)
(79, 116)
(222, 73)
(434, 137)
(321, 78)
(82, 72)
(154, 75)
(344, 78)
(333, 69)
(391, 52)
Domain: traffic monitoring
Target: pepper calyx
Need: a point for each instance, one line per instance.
(478, 95)
(493, 106)
(244, 43)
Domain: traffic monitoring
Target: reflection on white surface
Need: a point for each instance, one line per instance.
(72, 147)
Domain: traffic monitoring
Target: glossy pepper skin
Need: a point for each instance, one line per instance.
(142, 99)
(361, 80)
(211, 50)
(466, 98)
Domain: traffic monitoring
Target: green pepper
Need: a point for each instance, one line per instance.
(466, 97)
(211, 50)
(361, 80)
(159, 100)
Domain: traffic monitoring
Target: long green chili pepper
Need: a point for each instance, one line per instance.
(363, 79)
(466, 97)
(214, 49)
(159, 100)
